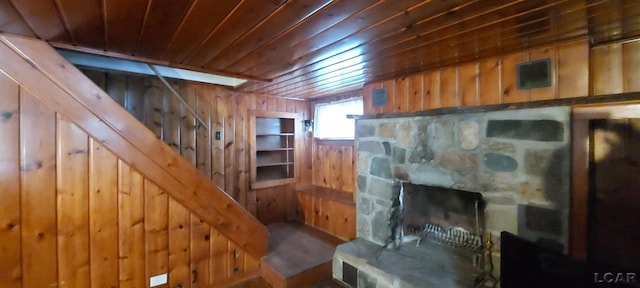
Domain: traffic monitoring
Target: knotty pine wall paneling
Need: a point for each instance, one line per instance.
(326, 213)
(275, 204)
(103, 220)
(493, 80)
(74, 202)
(333, 165)
(615, 68)
(11, 273)
(73, 214)
(37, 192)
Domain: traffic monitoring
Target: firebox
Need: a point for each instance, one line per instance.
(449, 216)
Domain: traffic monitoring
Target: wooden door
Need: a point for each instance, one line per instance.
(614, 217)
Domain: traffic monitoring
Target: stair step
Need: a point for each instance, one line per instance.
(298, 256)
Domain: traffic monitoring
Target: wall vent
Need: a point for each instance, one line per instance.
(349, 275)
(535, 74)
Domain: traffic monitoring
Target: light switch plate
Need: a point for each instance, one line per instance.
(158, 280)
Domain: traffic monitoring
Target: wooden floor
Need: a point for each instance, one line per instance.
(299, 256)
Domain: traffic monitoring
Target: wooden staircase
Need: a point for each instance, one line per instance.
(35, 65)
(299, 256)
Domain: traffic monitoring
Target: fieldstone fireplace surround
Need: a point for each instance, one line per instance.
(518, 160)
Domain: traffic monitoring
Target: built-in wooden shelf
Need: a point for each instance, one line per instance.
(272, 142)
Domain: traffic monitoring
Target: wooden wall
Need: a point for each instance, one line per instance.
(225, 161)
(146, 98)
(331, 211)
(272, 204)
(485, 82)
(334, 164)
(75, 215)
(616, 68)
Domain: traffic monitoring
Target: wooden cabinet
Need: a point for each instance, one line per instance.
(272, 141)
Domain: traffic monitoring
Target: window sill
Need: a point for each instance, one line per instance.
(334, 141)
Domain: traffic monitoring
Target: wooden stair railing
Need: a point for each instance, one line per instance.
(56, 82)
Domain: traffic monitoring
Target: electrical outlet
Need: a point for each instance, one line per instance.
(158, 280)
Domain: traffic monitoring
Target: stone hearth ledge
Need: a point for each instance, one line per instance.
(432, 265)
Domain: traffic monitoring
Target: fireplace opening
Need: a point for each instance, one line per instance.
(448, 216)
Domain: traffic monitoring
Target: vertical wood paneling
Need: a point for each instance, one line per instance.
(401, 95)
(318, 211)
(38, 195)
(78, 216)
(116, 87)
(171, 121)
(156, 230)
(303, 145)
(73, 205)
(510, 92)
(218, 263)
(179, 250)
(607, 69)
(251, 197)
(490, 81)
(348, 159)
(188, 126)
(282, 104)
(10, 222)
(271, 206)
(469, 84)
(229, 143)
(218, 112)
(335, 164)
(241, 166)
(272, 104)
(449, 87)
(153, 97)
(131, 232)
(103, 222)
(206, 157)
(493, 80)
(261, 102)
(431, 90)
(326, 214)
(200, 247)
(235, 259)
(415, 98)
(631, 56)
(573, 69)
(138, 91)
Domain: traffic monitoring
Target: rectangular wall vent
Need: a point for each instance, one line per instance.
(536, 74)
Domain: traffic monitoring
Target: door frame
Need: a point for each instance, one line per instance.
(580, 143)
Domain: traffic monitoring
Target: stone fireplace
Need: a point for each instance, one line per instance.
(518, 161)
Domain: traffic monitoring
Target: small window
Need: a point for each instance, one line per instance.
(331, 120)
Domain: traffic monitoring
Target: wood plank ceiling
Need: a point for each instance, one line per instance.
(312, 48)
